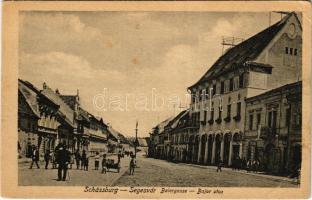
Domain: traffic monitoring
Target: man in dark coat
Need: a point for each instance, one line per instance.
(47, 158)
(62, 159)
(34, 157)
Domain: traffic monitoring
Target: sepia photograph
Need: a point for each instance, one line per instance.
(160, 101)
(117, 98)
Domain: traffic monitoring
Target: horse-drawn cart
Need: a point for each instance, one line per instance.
(111, 164)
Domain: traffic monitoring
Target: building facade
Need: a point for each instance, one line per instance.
(265, 61)
(273, 128)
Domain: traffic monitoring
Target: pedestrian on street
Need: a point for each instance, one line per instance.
(34, 157)
(104, 167)
(77, 158)
(249, 165)
(47, 158)
(83, 159)
(86, 164)
(72, 160)
(219, 166)
(63, 159)
(132, 165)
(96, 161)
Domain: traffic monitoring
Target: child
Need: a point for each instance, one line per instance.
(96, 161)
(104, 168)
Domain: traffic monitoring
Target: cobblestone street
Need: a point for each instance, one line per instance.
(43, 177)
(163, 173)
(151, 172)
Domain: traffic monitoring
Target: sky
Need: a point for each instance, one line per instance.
(127, 66)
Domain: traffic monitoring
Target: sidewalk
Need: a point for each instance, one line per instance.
(259, 174)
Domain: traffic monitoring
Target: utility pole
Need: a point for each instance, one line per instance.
(136, 139)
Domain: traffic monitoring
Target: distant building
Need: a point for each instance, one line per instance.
(273, 128)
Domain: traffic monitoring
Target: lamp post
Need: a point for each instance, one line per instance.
(136, 139)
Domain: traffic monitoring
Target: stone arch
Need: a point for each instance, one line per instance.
(202, 150)
(209, 153)
(196, 148)
(218, 140)
(226, 151)
(191, 140)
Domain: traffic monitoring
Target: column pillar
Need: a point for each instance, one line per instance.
(206, 151)
(199, 150)
(241, 150)
(222, 149)
(213, 150)
(230, 152)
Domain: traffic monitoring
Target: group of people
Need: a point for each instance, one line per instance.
(62, 159)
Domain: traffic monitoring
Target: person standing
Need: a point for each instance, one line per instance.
(96, 161)
(83, 159)
(63, 159)
(77, 158)
(104, 167)
(132, 165)
(47, 158)
(34, 157)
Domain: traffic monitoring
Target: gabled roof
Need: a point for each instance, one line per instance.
(174, 122)
(70, 100)
(113, 133)
(65, 110)
(179, 117)
(30, 94)
(247, 50)
(161, 126)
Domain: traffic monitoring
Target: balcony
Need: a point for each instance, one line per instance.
(267, 132)
(237, 117)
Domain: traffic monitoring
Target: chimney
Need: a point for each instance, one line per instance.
(57, 91)
(44, 86)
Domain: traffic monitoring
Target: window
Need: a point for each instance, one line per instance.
(287, 123)
(258, 119)
(212, 114)
(238, 108)
(231, 84)
(272, 119)
(241, 81)
(286, 50)
(295, 52)
(290, 51)
(214, 89)
(229, 110)
(205, 115)
(250, 121)
(222, 87)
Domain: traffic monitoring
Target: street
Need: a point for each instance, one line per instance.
(48, 177)
(151, 172)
